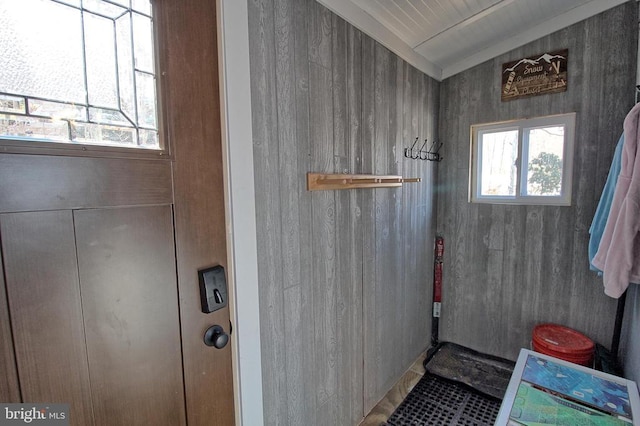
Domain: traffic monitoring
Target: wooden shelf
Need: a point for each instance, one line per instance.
(322, 181)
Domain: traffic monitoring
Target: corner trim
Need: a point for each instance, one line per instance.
(242, 251)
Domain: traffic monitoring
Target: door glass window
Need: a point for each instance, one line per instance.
(78, 71)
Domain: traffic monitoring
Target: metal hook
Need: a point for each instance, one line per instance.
(408, 152)
(422, 151)
(421, 154)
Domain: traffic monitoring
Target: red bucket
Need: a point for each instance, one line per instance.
(563, 343)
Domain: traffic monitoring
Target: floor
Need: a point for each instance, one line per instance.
(381, 412)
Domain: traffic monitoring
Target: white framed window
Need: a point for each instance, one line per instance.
(78, 72)
(526, 161)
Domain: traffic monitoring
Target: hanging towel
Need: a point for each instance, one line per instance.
(618, 255)
(604, 205)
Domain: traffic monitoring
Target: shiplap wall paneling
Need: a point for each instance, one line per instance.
(398, 292)
(369, 271)
(509, 267)
(420, 224)
(268, 212)
(299, 294)
(630, 339)
(412, 227)
(323, 220)
(629, 354)
(387, 288)
(342, 314)
(347, 144)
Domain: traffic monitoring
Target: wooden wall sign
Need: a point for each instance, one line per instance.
(535, 75)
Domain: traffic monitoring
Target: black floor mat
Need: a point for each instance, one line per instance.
(460, 387)
(484, 373)
(436, 401)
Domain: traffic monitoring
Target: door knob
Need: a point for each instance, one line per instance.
(216, 336)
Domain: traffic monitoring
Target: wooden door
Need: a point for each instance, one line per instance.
(100, 304)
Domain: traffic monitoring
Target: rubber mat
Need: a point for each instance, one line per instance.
(460, 387)
(436, 401)
(484, 373)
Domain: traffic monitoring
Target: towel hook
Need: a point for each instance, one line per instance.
(421, 154)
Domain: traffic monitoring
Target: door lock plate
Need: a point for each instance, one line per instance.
(213, 289)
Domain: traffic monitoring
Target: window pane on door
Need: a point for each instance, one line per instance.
(103, 8)
(41, 51)
(142, 33)
(146, 89)
(125, 73)
(57, 110)
(20, 126)
(544, 160)
(498, 153)
(101, 61)
(78, 72)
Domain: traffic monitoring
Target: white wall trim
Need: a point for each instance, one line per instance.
(559, 22)
(370, 26)
(242, 270)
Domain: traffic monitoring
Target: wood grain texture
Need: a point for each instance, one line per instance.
(396, 395)
(291, 317)
(46, 314)
(129, 299)
(382, 330)
(74, 182)
(9, 387)
(510, 267)
(336, 181)
(346, 143)
(266, 149)
(422, 217)
(306, 402)
(629, 354)
(323, 237)
(369, 269)
(346, 356)
(189, 70)
(410, 196)
(188, 73)
(353, 285)
(332, 283)
(629, 342)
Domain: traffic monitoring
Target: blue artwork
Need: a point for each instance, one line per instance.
(602, 394)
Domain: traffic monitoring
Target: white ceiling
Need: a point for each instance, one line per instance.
(445, 37)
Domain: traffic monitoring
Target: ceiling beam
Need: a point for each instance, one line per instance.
(470, 20)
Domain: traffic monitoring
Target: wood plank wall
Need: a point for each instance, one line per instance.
(630, 341)
(629, 354)
(509, 267)
(345, 276)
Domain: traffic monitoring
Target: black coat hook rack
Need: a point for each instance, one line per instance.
(421, 154)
